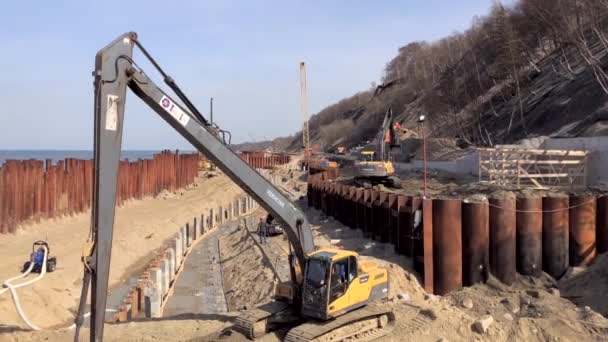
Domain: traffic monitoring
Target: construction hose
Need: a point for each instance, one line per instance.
(13, 288)
(8, 286)
(23, 275)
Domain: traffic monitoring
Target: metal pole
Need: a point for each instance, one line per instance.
(424, 156)
(304, 109)
(211, 110)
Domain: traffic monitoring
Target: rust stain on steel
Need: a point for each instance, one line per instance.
(475, 243)
(359, 209)
(582, 230)
(447, 245)
(529, 235)
(415, 242)
(325, 196)
(371, 215)
(380, 216)
(351, 209)
(331, 205)
(402, 224)
(367, 194)
(555, 236)
(502, 239)
(601, 234)
(427, 220)
(384, 210)
(393, 219)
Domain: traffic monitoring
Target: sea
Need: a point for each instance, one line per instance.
(56, 155)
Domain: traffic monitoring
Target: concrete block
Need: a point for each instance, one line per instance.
(156, 275)
(128, 307)
(184, 234)
(170, 252)
(153, 302)
(177, 241)
(166, 274)
(221, 215)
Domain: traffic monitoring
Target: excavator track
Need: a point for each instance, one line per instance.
(365, 324)
(254, 323)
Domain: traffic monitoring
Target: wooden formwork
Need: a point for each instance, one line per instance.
(533, 168)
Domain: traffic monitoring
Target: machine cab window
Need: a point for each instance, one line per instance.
(367, 156)
(343, 272)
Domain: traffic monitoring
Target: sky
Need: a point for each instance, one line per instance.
(244, 54)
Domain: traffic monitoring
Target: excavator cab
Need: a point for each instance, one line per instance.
(368, 156)
(338, 280)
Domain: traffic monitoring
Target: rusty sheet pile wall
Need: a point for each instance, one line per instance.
(456, 243)
(34, 189)
(264, 160)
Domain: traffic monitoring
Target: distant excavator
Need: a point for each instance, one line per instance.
(375, 166)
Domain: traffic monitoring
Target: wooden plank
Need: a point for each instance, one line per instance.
(527, 176)
(538, 162)
(574, 153)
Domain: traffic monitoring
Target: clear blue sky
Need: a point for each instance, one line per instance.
(245, 54)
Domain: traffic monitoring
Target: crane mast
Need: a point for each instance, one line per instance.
(304, 109)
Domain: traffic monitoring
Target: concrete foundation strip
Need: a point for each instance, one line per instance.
(148, 297)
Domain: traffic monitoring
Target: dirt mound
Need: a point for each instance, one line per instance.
(589, 287)
(248, 279)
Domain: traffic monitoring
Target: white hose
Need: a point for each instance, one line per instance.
(13, 288)
(86, 315)
(8, 286)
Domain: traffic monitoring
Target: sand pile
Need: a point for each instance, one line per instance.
(248, 279)
(590, 286)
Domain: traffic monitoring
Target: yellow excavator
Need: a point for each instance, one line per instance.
(330, 294)
(376, 167)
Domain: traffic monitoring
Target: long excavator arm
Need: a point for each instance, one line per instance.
(115, 70)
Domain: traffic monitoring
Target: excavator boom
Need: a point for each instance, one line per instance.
(115, 70)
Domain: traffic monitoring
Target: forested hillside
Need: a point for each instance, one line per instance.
(534, 68)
